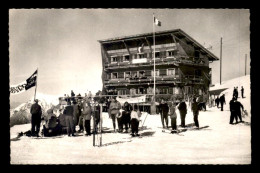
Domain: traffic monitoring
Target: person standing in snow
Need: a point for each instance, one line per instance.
(173, 116)
(68, 112)
(217, 101)
(36, 111)
(232, 110)
(135, 118)
(164, 109)
(75, 114)
(222, 101)
(114, 108)
(237, 107)
(86, 114)
(195, 110)
(126, 118)
(242, 92)
(183, 111)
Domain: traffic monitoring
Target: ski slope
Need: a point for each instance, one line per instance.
(220, 143)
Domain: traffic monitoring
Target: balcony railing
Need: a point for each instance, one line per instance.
(150, 61)
(188, 79)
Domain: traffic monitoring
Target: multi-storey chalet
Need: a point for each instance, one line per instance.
(182, 65)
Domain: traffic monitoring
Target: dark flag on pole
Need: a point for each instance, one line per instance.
(31, 81)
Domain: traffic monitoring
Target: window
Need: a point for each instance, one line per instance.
(126, 57)
(141, 74)
(171, 72)
(127, 75)
(113, 75)
(171, 53)
(113, 59)
(141, 91)
(157, 54)
(157, 73)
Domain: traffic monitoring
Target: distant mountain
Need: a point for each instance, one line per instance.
(14, 104)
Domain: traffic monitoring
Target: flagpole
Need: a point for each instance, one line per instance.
(153, 59)
(36, 84)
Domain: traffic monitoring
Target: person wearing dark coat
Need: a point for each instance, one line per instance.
(75, 114)
(237, 107)
(183, 111)
(217, 101)
(195, 110)
(242, 92)
(73, 96)
(222, 101)
(68, 112)
(36, 111)
(164, 109)
(51, 127)
(232, 110)
(126, 118)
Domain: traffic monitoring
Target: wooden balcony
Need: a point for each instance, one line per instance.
(150, 62)
(187, 79)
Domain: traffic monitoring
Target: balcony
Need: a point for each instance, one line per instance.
(150, 62)
(143, 81)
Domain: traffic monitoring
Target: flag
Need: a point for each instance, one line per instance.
(31, 81)
(157, 22)
(23, 86)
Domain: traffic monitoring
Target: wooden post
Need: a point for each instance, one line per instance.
(100, 123)
(36, 84)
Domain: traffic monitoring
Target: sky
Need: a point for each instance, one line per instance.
(63, 43)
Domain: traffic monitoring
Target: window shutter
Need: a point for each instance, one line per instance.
(170, 90)
(163, 72)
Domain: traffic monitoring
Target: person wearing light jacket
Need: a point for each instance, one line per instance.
(173, 116)
(114, 108)
(135, 118)
(86, 114)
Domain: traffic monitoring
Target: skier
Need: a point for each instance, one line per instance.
(183, 111)
(237, 107)
(242, 92)
(173, 116)
(232, 111)
(222, 101)
(164, 109)
(114, 108)
(195, 110)
(36, 111)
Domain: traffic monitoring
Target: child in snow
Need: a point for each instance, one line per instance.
(135, 118)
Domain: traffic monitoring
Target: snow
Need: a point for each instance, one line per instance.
(220, 143)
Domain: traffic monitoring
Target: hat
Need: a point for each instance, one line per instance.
(36, 100)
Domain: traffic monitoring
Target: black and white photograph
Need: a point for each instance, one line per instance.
(130, 86)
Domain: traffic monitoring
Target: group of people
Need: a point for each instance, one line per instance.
(79, 114)
(127, 116)
(220, 100)
(235, 92)
(169, 109)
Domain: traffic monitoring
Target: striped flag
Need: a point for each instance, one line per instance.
(157, 22)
